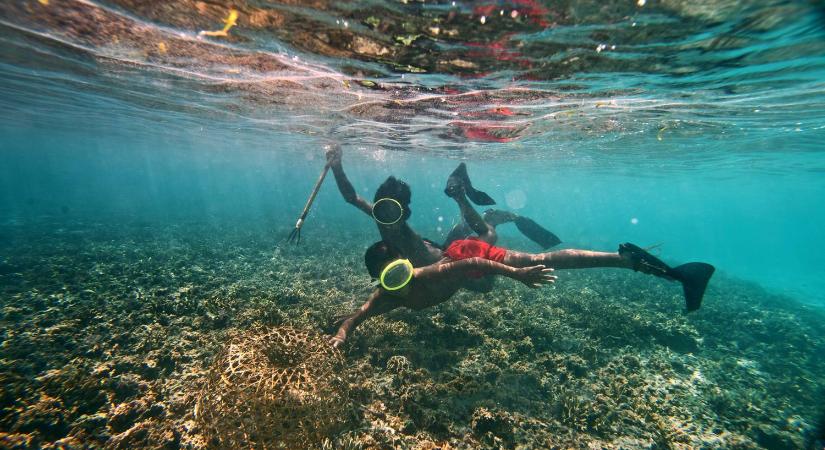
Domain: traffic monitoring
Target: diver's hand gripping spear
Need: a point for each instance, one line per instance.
(295, 235)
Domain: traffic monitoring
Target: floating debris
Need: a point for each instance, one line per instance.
(230, 21)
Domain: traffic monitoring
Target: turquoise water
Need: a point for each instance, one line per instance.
(704, 123)
(747, 214)
(694, 127)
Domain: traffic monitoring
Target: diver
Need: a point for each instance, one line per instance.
(394, 195)
(391, 209)
(403, 284)
(417, 288)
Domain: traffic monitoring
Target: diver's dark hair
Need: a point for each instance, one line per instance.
(398, 190)
(378, 256)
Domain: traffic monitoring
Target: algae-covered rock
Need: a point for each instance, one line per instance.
(773, 438)
(498, 424)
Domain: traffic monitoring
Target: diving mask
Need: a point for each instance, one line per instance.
(397, 274)
(387, 211)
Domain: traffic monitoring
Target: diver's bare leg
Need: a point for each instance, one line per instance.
(496, 217)
(568, 259)
(493, 218)
(485, 231)
(694, 276)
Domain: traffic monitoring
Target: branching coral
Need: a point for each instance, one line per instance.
(273, 388)
(103, 348)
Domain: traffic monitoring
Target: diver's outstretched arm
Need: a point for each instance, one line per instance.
(334, 153)
(532, 276)
(378, 303)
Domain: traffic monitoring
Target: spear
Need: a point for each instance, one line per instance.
(295, 235)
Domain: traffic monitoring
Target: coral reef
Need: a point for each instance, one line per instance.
(281, 387)
(134, 335)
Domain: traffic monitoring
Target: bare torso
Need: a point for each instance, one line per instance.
(425, 293)
(420, 252)
(435, 284)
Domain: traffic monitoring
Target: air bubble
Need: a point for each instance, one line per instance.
(516, 199)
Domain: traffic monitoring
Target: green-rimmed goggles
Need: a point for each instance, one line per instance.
(387, 211)
(397, 274)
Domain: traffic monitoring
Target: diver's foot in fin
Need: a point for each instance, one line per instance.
(496, 217)
(536, 233)
(459, 181)
(693, 276)
(643, 261)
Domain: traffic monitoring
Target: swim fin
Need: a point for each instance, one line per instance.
(459, 179)
(693, 276)
(479, 198)
(536, 232)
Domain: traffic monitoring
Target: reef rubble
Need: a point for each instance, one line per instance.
(113, 334)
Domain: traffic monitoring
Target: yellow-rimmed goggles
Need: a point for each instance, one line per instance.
(387, 211)
(397, 274)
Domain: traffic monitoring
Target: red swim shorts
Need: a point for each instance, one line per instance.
(472, 247)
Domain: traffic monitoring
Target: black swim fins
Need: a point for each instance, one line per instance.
(479, 198)
(459, 179)
(536, 232)
(693, 276)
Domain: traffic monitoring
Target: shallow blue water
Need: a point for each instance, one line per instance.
(701, 130)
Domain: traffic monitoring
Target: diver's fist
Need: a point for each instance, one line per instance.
(333, 153)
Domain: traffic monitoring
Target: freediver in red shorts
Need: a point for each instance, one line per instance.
(390, 210)
(464, 260)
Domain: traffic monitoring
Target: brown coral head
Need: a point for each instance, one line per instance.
(280, 387)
